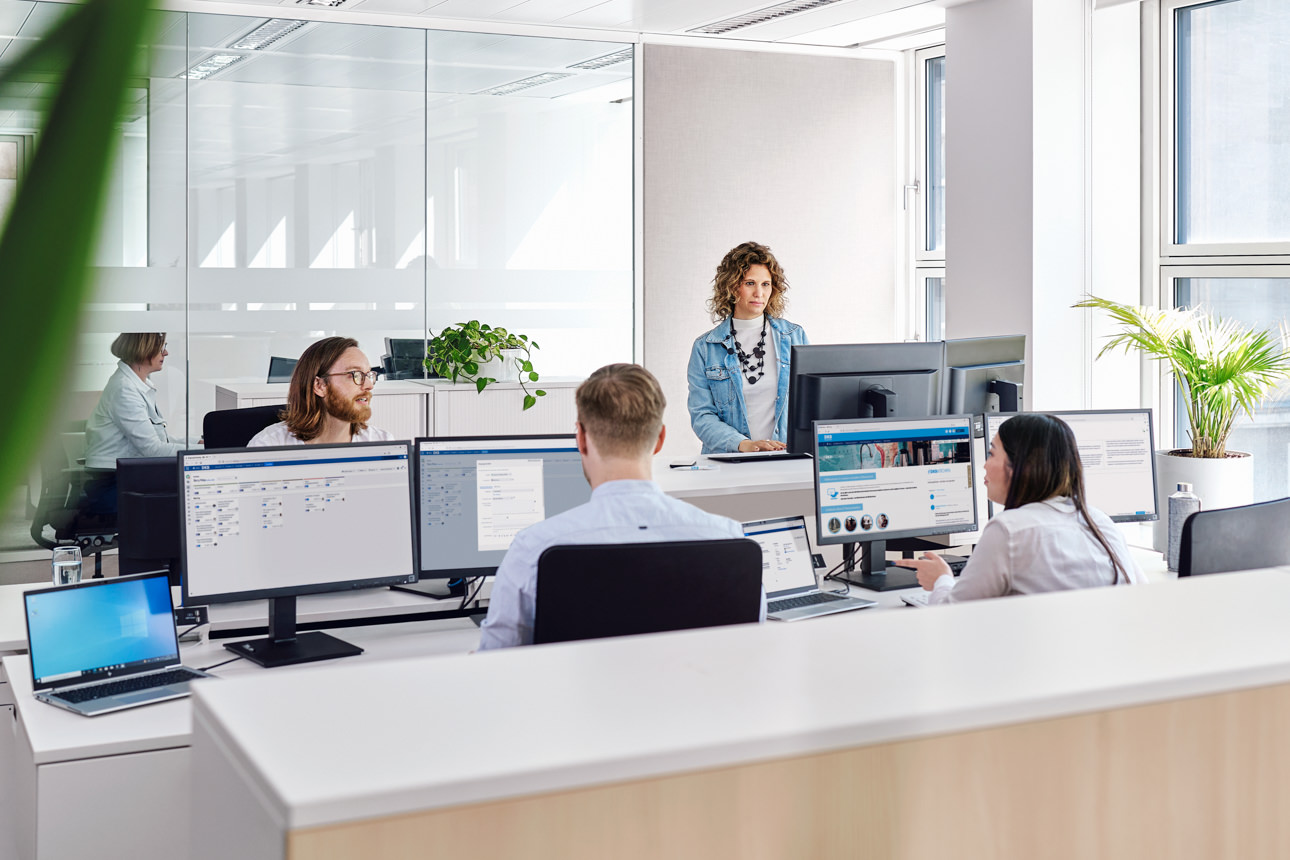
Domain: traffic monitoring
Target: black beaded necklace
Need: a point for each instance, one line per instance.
(751, 371)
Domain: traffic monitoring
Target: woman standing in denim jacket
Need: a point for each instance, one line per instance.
(738, 372)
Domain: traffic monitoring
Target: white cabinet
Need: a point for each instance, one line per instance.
(411, 408)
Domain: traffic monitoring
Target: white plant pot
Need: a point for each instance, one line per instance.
(502, 369)
(1222, 483)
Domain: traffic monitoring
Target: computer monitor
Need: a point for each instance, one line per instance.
(404, 358)
(1116, 449)
(148, 516)
(280, 369)
(880, 479)
(476, 492)
(983, 375)
(828, 382)
(277, 523)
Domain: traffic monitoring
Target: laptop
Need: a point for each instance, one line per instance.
(105, 644)
(788, 574)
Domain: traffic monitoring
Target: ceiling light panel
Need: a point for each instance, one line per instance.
(211, 65)
(267, 33)
(525, 83)
(613, 59)
(762, 16)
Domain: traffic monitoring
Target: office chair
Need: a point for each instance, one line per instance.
(1242, 538)
(595, 591)
(280, 369)
(233, 428)
(59, 518)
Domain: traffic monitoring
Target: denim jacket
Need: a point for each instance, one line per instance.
(716, 401)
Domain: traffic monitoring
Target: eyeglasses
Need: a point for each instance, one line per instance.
(357, 375)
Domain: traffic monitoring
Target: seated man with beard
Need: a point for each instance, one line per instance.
(330, 399)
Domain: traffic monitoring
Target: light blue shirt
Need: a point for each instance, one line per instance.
(127, 423)
(618, 512)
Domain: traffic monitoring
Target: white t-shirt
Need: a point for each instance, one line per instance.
(278, 434)
(759, 397)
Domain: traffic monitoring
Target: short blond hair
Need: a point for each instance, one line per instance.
(138, 347)
(620, 407)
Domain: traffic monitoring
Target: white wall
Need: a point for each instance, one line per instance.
(796, 152)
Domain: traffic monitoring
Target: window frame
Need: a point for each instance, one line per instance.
(922, 155)
(1169, 248)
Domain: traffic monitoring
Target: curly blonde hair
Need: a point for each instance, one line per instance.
(730, 273)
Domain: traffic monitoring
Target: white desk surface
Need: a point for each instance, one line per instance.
(560, 717)
(57, 735)
(734, 478)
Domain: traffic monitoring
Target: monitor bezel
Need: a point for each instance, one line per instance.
(333, 586)
(1151, 430)
(832, 540)
(466, 572)
(148, 467)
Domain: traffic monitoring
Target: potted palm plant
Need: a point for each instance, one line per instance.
(1223, 370)
(483, 354)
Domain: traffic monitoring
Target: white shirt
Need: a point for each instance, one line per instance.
(1043, 546)
(618, 512)
(278, 434)
(759, 397)
(127, 423)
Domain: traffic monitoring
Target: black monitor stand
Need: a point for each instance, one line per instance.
(284, 647)
(890, 577)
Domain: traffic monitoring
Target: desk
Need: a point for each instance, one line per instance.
(118, 785)
(1028, 726)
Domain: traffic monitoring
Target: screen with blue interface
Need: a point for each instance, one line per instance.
(477, 493)
(877, 479)
(96, 628)
(266, 522)
(785, 554)
(1116, 451)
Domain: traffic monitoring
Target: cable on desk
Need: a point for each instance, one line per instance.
(182, 633)
(217, 665)
(469, 596)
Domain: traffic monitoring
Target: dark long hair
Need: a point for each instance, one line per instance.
(1044, 459)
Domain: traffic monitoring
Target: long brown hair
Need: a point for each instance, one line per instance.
(730, 274)
(306, 412)
(1044, 459)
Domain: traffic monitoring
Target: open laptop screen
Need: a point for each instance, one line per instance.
(785, 553)
(100, 629)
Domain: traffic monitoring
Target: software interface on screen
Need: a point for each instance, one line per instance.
(262, 519)
(1116, 452)
(785, 553)
(476, 494)
(894, 478)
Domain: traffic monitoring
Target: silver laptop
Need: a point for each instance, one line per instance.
(105, 644)
(788, 574)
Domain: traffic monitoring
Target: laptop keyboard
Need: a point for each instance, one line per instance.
(129, 685)
(814, 599)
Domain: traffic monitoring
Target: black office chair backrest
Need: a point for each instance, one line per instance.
(233, 428)
(280, 369)
(594, 591)
(1242, 538)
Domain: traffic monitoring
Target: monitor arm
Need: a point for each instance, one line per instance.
(878, 402)
(1009, 394)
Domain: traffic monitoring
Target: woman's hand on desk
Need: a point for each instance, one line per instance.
(930, 567)
(750, 445)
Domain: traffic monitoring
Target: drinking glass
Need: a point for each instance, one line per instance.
(67, 565)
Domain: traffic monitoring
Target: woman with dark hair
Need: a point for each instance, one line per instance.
(1046, 538)
(738, 373)
(126, 421)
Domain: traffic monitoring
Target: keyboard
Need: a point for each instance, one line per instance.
(915, 598)
(128, 685)
(814, 599)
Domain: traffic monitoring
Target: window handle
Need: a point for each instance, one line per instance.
(904, 203)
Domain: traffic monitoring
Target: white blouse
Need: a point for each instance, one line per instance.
(278, 434)
(1042, 546)
(759, 397)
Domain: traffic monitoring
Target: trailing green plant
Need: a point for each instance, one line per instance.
(459, 351)
(1223, 368)
(87, 59)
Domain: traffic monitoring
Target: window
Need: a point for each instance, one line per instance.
(929, 214)
(1225, 221)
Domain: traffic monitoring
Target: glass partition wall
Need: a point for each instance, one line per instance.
(279, 181)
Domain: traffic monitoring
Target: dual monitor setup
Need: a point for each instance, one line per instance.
(279, 523)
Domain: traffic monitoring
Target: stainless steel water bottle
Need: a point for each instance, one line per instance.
(1182, 504)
